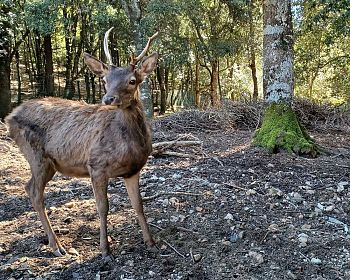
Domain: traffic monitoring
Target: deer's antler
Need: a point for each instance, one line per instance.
(105, 47)
(135, 60)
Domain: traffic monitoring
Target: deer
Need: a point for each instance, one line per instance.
(100, 141)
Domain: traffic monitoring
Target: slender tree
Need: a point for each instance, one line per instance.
(5, 94)
(133, 9)
(280, 127)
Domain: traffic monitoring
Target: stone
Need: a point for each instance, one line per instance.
(316, 261)
(229, 217)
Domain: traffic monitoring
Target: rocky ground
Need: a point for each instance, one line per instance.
(227, 211)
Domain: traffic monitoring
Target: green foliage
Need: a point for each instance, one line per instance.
(41, 16)
(281, 130)
(322, 54)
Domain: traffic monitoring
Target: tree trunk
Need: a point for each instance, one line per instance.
(280, 129)
(133, 9)
(160, 71)
(49, 84)
(40, 84)
(70, 28)
(252, 63)
(87, 86)
(19, 82)
(214, 96)
(5, 93)
(196, 85)
(278, 51)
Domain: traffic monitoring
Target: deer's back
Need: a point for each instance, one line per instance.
(75, 135)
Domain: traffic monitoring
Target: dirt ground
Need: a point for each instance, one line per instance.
(232, 212)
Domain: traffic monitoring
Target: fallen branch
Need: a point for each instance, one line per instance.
(172, 247)
(162, 148)
(168, 144)
(235, 187)
(152, 197)
(177, 154)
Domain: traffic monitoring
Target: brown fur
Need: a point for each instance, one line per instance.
(76, 139)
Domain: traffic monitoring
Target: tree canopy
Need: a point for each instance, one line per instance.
(209, 50)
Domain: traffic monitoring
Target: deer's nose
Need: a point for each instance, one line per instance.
(107, 100)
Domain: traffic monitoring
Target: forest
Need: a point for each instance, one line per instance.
(210, 51)
(248, 156)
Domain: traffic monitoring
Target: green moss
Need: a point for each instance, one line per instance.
(281, 130)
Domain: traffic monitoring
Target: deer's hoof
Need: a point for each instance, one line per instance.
(60, 252)
(150, 243)
(108, 258)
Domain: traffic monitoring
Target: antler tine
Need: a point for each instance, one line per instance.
(134, 61)
(105, 47)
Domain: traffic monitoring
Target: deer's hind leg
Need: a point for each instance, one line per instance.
(42, 172)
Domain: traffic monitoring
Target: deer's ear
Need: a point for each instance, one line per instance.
(96, 66)
(148, 65)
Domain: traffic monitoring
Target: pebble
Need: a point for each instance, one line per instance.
(234, 237)
(273, 228)
(197, 257)
(177, 176)
(275, 192)
(329, 208)
(165, 202)
(250, 192)
(343, 183)
(315, 261)
(229, 217)
(174, 219)
(296, 197)
(70, 204)
(257, 257)
(151, 273)
(340, 188)
(306, 227)
(303, 239)
(291, 275)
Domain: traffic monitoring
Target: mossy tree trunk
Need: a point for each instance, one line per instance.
(280, 129)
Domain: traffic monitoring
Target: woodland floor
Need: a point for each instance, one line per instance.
(256, 216)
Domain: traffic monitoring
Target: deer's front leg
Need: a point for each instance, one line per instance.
(132, 186)
(99, 184)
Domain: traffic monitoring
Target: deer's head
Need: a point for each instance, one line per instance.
(121, 84)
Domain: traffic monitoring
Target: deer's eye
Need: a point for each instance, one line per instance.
(132, 82)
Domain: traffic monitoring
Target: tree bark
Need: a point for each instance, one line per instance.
(70, 28)
(252, 56)
(49, 84)
(278, 51)
(196, 85)
(19, 82)
(5, 93)
(133, 10)
(160, 72)
(214, 96)
(40, 84)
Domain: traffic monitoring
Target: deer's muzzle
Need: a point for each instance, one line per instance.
(111, 100)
